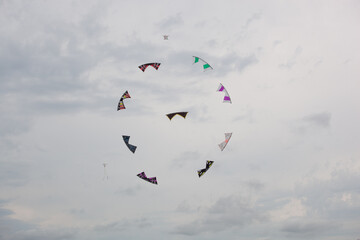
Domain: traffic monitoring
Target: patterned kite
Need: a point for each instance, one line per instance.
(131, 147)
(144, 66)
(151, 180)
(166, 37)
(206, 66)
(171, 115)
(224, 143)
(204, 170)
(121, 103)
(226, 97)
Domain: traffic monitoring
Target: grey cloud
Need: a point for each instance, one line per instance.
(227, 213)
(129, 191)
(326, 197)
(300, 228)
(184, 206)
(254, 185)
(318, 119)
(20, 230)
(233, 62)
(312, 122)
(171, 22)
(254, 17)
(246, 116)
(119, 226)
(13, 173)
(292, 60)
(36, 234)
(276, 43)
(185, 158)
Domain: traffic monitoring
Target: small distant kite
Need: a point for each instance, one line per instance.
(171, 115)
(151, 180)
(204, 170)
(121, 103)
(105, 174)
(131, 147)
(206, 66)
(144, 66)
(226, 97)
(224, 143)
(166, 37)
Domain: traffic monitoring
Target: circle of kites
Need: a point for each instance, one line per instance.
(206, 66)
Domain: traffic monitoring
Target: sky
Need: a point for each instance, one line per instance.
(291, 169)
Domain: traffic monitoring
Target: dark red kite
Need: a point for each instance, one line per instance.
(144, 66)
(171, 115)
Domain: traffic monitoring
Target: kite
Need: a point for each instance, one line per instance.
(105, 175)
(226, 97)
(151, 180)
(144, 66)
(171, 115)
(208, 165)
(166, 37)
(131, 147)
(206, 66)
(224, 143)
(121, 103)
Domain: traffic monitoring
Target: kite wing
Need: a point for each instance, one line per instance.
(171, 115)
(204, 170)
(144, 66)
(224, 143)
(206, 66)
(121, 103)
(131, 147)
(227, 98)
(142, 175)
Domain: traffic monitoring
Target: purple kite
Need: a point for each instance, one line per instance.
(226, 97)
(151, 180)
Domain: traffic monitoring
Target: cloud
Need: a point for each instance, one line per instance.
(122, 225)
(234, 62)
(316, 121)
(254, 17)
(226, 213)
(292, 59)
(171, 22)
(20, 230)
(129, 191)
(307, 228)
(14, 174)
(186, 158)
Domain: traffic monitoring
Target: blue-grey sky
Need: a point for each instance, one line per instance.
(290, 171)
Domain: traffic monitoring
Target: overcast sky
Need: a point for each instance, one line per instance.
(290, 171)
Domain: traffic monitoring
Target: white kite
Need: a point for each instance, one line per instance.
(224, 143)
(227, 98)
(206, 66)
(105, 174)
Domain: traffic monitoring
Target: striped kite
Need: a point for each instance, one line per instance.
(142, 175)
(121, 103)
(144, 66)
(224, 143)
(206, 66)
(204, 170)
(227, 98)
